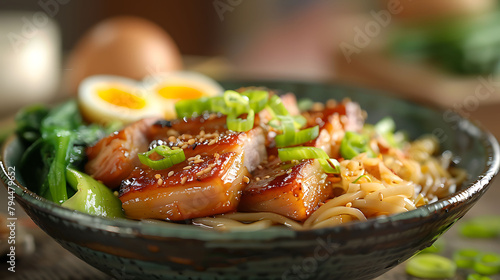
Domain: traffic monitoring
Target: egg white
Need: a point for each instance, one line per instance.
(97, 110)
(200, 82)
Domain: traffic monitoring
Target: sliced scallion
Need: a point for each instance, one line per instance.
(487, 264)
(465, 258)
(170, 157)
(299, 153)
(431, 266)
(354, 144)
(238, 124)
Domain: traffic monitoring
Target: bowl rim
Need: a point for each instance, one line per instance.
(134, 228)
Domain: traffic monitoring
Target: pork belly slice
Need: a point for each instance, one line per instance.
(211, 186)
(292, 191)
(113, 158)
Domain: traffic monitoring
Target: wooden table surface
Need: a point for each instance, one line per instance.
(51, 261)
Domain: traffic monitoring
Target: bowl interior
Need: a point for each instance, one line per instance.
(476, 150)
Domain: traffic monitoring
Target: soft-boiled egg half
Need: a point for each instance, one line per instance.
(107, 99)
(171, 87)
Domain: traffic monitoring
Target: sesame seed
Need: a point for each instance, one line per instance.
(202, 139)
(184, 179)
(267, 177)
(289, 171)
(191, 141)
(380, 196)
(175, 148)
(191, 158)
(260, 167)
(208, 169)
(257, 179)
(198, 174)
(172, 139)
(187, 167)
(184, 146)
(170, 173)
(295, 161)
(202, 133)
(157, 176)
(211, 142)
(246, 179)
(216, 155)
(198, 161)
(349, 204)
(115, 193)
(160, 181)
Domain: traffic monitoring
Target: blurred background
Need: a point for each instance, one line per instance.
(445, 53)
(432, 51)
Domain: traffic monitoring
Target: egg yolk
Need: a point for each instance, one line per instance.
(121, 98)
(179, 92)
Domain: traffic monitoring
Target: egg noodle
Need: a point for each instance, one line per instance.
(396, 182)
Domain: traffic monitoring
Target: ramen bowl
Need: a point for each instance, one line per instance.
(128, 249)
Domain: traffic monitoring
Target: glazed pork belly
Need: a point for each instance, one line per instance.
(114, 157)
(297, 191)
(210, 181)
(204, 186)
(294, 191)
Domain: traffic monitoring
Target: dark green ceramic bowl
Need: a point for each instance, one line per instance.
(129, 249)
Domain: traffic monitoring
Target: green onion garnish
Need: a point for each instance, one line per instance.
(299, 153)
(170, 157)
(238, 124)
(465, 258)
(258, 99)
(385, 125)
(431, 266)
(354, 144)
(365, 176)
(481, 227)
(487, 264)
(276, 107)
(291, 137)
(189, 107)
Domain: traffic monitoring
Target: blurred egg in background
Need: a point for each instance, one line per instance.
(30, 59)
(107, 99)
(125, 46)
(169, 88)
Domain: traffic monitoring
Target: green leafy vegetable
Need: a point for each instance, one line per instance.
(92, 197)
(29, 122)
(55, 139)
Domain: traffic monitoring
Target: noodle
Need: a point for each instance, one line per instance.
(391, 183)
